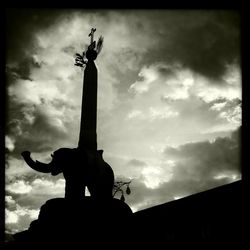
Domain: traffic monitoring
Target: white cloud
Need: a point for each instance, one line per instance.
(211, 93)
(19, 187)
(16, 168)
(37, 186)
(228, 127)
(232, 176)
(232, 115)
(177, 197)
(11, 217)
(9, 200)
(135, 114)
(170, 81)
(179, 85)
(152, 113)
(218, 106)
(151, 177)
(228, 88)
(148, 75)
(33, 92)
(43, 186)
(30, 197)
(161, 113)
(33, 213)
(183, 97)
(9, 143)
(28, 112)
(232, 76)
(157, 172)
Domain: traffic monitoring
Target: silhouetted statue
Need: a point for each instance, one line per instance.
(82, 166)
(78, 221)
(80, 169)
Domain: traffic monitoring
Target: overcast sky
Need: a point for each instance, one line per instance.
(169, 101)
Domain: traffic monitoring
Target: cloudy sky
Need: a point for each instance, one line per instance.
(169, 101)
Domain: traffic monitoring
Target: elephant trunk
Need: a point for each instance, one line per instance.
(36, 165)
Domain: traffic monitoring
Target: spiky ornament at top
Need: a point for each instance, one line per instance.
(92, 52)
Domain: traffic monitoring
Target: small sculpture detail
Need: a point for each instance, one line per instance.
(92, 52)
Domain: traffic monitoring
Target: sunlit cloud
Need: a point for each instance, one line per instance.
(135, 114)
(9, 200)
(43, 186)
(231, 176)
(161, 113)
(228, 127)
(179, 197)
(218, 106)
(19, 218)
(19, 187)
(233, 115)
(229, 89)
(11, 217)
(9, 143)
(148, 75)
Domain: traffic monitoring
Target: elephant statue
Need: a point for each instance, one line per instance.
(80, 168)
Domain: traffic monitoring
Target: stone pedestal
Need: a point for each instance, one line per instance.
(85, 224)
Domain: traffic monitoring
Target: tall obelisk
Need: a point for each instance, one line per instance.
(88, 137)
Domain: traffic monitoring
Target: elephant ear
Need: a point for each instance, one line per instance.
(56, 170)
(62, 159)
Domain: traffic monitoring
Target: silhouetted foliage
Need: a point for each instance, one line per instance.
(118, 187)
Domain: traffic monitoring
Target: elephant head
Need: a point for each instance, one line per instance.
(61, 158)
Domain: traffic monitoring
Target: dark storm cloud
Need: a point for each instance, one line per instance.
(137, 163)
(204, 41)
(205, 160)
(21, 26)
(21, 69)
(166, 71)
(38, 135)
(228, 103)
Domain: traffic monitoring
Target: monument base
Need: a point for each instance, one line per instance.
(87, 224)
